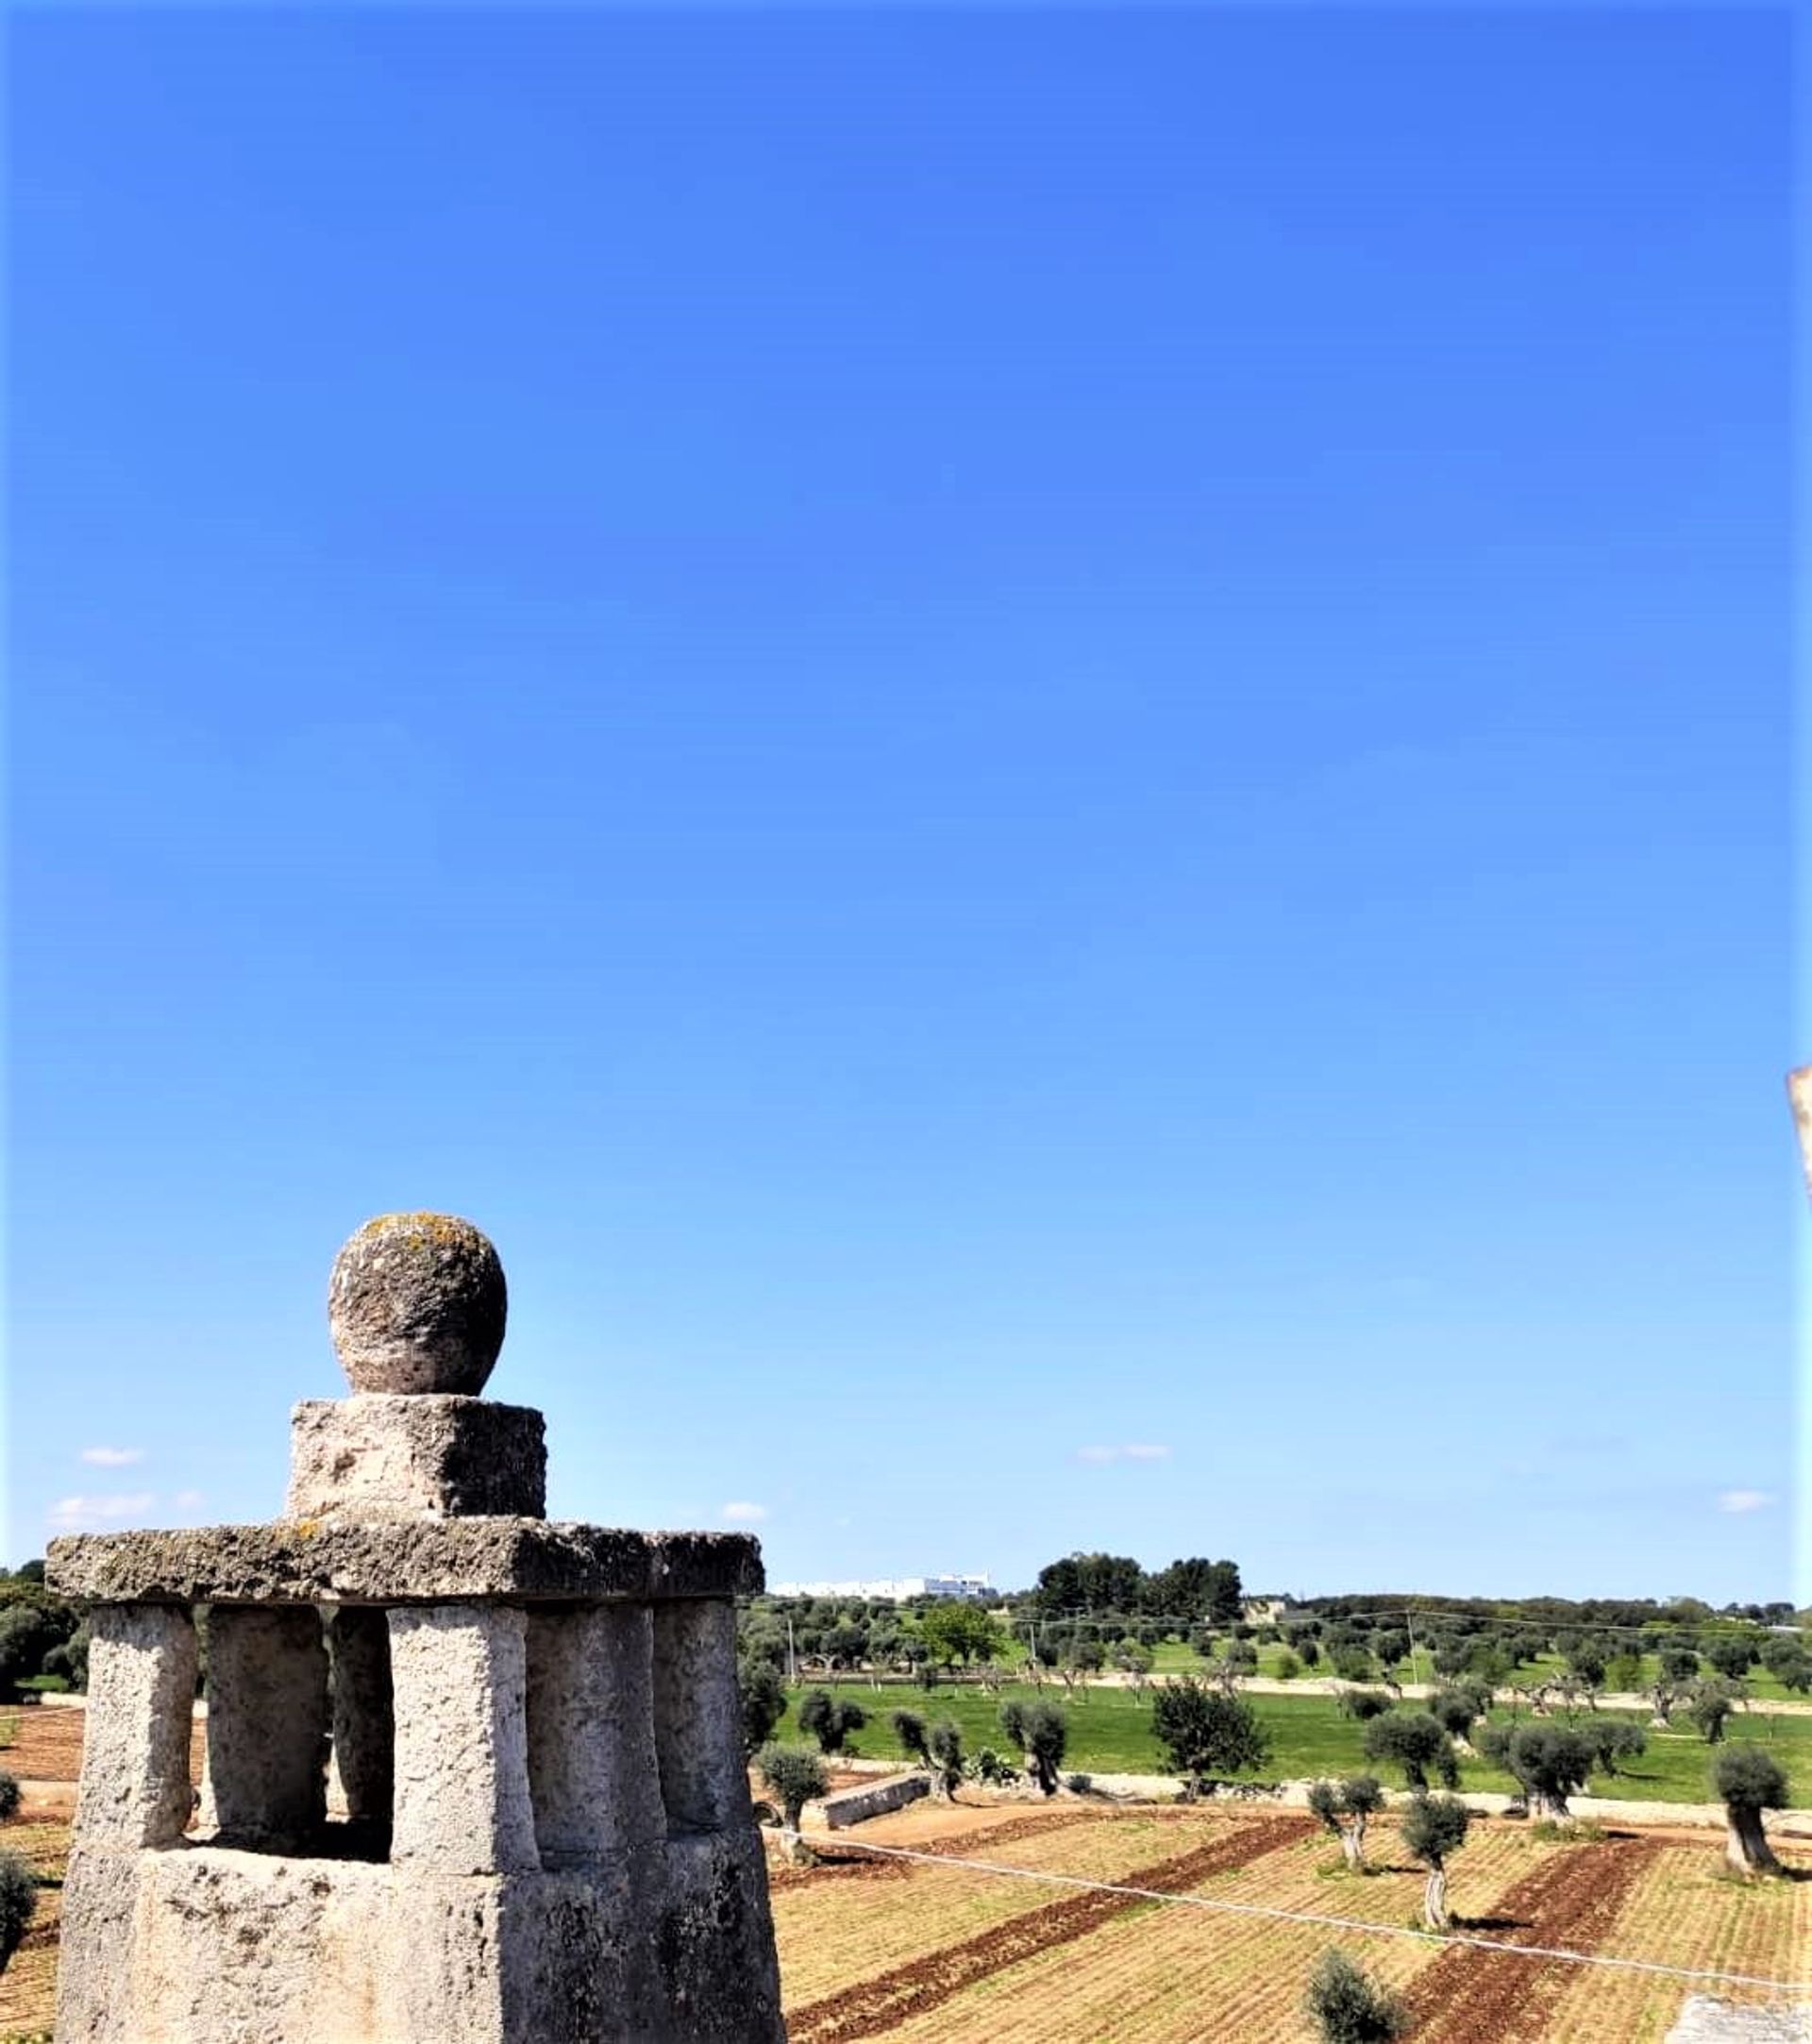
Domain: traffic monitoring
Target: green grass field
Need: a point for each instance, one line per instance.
(1111, 1733)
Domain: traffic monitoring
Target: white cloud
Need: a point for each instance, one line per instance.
(113, 1458)
(1133, 1452)
(741, 1512)
(71, 1514)
(189, 1500)
(1744, 1500)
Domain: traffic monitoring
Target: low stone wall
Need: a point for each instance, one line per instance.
(856, 1805)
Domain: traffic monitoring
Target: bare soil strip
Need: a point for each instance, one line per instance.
(1473, 1997)
(873, 2006)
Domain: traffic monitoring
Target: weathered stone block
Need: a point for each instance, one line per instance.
(402, 1562)
(461, 1803)
(714, 1940)
(379, 1456)
(134, 1787)
(592, 1773)
(698, 1717)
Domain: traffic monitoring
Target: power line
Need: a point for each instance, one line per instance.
(1271, 1914)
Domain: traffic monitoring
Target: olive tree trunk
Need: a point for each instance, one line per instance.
(1434, 1900)
(1746, 1845)
(1353, 1843)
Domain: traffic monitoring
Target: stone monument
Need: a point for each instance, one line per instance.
(471, 1776)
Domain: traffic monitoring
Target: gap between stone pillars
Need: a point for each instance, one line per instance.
(698, 1716)
(364, 1725)
(139, 1719)
(461, 1803)
(593, 1772)
(267, 1724)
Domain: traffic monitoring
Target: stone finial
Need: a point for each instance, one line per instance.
(417, 1303)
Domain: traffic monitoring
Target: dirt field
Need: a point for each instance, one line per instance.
(931, 1950)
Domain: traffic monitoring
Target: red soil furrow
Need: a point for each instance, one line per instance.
(1473, 1997)
(879, 2004)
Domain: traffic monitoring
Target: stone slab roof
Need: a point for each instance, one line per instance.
(406, 1562)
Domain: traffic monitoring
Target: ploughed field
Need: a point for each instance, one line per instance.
(934, 1950)
(931, 1950)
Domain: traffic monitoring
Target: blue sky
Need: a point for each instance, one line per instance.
(1015, 735)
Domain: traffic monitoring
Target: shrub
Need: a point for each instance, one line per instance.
(18, 1904)
(1080, 1784)
(1348, 2006)
(8, 1796)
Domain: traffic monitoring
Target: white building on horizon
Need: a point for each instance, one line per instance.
(895, 1589)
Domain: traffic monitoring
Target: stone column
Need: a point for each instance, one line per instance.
(715, 1937)
(592, 1773)
(461, 1796)
(698, 1716)
(365, 1726)
(139, 1719)
(267, 1724)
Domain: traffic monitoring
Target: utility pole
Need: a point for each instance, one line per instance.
(792, 1658)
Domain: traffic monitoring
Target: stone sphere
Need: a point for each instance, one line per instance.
(416, 1303)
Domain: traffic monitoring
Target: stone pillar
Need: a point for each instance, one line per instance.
(267, 1724)
(592, 1773)
(364, 1725)
(461, 1796)
(698, 1716)
(140, 1719)
(715, 1936)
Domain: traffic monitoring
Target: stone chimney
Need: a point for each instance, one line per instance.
(471, 1776)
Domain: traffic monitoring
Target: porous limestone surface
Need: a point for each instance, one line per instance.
(203, 1945)
(134, 1787)
(458, 1677)
(698, 1717)
(592, 1774)
(417, 1303)
(378, 1455)
(402, 1562)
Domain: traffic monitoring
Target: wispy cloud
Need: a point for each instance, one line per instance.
(739, 1512)
(113, 1458)
(1133, 1452)
(188, 1500)
(1745, 1500)
(71, 1513)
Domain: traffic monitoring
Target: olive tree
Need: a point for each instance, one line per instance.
(1205, 1734)
(1343, 1807)
(1413, 1741)
(763, 1699)
(795, 1775)
(1748, 1780)
(1709, 1708)
(1041, 1732)
(1434, 1829)
(1348, 2006)
(18, 1903)
(830, 1720)
(1676, 1670)
(1549, 1762)
(1613, 1739)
